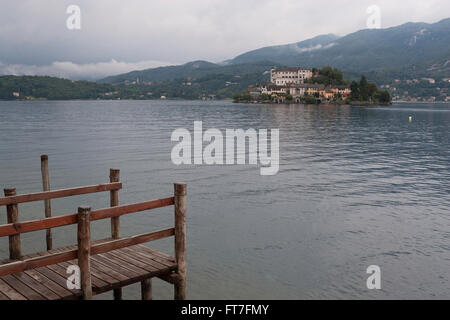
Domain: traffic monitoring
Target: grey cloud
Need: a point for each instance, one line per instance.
(70, 70)
(34, 33)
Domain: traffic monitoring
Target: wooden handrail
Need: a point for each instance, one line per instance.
(42, 261)
(59, 221)
(32, 263)
(131, 241)
(47, 195)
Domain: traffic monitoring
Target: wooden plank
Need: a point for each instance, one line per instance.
(124, 263)
(3, 297)
(170, 278)
(96, 281)
(132, 277)
(23, 289)
(123, 256)
(105, 269)
(157, 253)
(50, 284)
(60, 221)
(57, 278)
(110, 264)
(36, 286)
(148, 260)
(104, 277)
(154, 253)
(130, 208)
(131, 241)
(36, 262)
(146, 252)
(132, 252)
(35, 225)
(10, 292)
(47, 195)
(61, 269)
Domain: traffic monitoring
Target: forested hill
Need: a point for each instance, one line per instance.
(217, 86)
(36, 87)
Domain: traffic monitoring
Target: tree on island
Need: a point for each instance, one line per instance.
(327, 76)
(368, 91)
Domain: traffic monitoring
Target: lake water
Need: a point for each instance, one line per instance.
(356, 187)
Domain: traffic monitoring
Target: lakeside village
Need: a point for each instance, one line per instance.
(314, 86)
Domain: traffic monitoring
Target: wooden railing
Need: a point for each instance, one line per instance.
(83, 218)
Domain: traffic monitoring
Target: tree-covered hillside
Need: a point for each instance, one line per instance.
(212, 86)
(35, 87)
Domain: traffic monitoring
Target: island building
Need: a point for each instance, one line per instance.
(286, 76)
(291, 81)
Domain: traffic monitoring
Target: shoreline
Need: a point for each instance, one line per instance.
(353, 103)
(243, 102)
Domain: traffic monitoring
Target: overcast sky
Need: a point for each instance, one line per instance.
(117, 36)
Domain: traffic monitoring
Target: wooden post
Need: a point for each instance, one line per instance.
(114, 176)
(47, 203)
(84, 251)
(12, 212)
(180, 239)
(146, 289)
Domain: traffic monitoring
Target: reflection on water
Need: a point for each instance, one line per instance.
(356, 187)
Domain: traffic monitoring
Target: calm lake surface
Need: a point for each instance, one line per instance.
(356, 187)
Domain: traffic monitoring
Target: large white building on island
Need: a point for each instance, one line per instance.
(287, 76)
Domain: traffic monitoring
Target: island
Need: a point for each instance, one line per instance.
(314, 86)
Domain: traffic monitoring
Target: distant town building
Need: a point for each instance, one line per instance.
(16, 94)
(255, 92)
(430, 80)
(286, 76)
(305, 89)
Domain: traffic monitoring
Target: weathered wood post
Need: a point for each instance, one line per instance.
(146, 289)
(47, 203)
(114, 176)
(180, 239)
(84, 251)
(12, 211)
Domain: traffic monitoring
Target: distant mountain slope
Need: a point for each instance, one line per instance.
(284, 53)
(411, 44)
(196, 69)
(405, 51)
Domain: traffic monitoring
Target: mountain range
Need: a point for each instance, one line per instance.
(405, 51)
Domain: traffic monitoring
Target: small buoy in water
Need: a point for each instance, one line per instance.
(410, 119)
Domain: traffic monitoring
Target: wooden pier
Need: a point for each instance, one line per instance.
(104, 265)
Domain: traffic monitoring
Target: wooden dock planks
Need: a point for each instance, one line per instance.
(109, 271)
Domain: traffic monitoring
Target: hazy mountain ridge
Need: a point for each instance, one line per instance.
(410, 44)
(195, 69)
(408, 50)
(280, 52)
